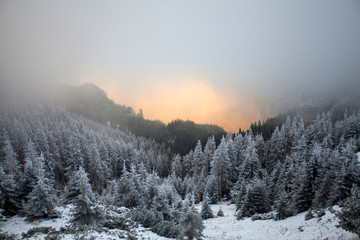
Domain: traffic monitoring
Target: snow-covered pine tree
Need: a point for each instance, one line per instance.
(211, 189)
(250, 168)
(10, 163)
(239, 194)
(85, 211)
(200, 188)
(347, 175)
(206, 211)
(128, 188)
(30, 170)
(350, 214)
(221, 166)
(209, 150)
(41, 200)
(9, 199)
(276, 149)
(187, 164)
(197, 159)
(176, 168)
(256, 200)
(302, 199)
(282, 208)
(191, 225)
(220, 213)
(322, 195)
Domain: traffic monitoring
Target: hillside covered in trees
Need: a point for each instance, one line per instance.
(50, 157)
(92, 102)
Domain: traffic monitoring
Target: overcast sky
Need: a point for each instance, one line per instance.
(222, 62)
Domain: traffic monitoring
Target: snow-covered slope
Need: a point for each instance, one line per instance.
(295, 227)
(224, 228)
(17, 225)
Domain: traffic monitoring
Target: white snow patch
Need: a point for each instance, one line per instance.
(358, 155)
(18, 225)
(145, 233)
(228, 227)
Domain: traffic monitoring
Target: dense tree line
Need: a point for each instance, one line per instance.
(308, 113)
(48, 153)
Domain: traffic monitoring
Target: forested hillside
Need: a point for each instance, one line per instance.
(51, 157)
(92, 102)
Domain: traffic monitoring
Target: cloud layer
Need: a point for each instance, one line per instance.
(234, 61)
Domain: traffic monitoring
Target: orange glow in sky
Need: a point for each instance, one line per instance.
(187, 98)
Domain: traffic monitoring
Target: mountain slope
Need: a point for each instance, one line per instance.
(92, 102)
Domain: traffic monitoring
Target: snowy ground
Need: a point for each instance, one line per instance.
(17, 225)
(224, 228)
(296, 227)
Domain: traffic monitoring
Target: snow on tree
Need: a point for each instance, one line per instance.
(176, 168)
(350, 214)
(10, 163)
(211, 189)
(282, 208)
(85, 211)
(239, 193)
(260, 149)
(220, 213)
(256, 200)
(206, 211)
(250, 168)
(9, 198)
(197, 159)
(191, 226)
(276, 149)
(303, 197)
(322, 196)
(209, 150)
(200, 188)
(128, 194)
(41, 200)
(348, 174)
(187, 164)
(221, 166)
(31, 169)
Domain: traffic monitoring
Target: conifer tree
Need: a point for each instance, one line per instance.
(220, 213)
(250, 168)
(239, 194)
(211, 189)
(282, 208)
(209, 150)
(85, 211)
(220, 167)
(41, 201)
(256, 201)
(9, 199)
(350, 214)
(206, 211)
(191, 225)
(322, 195)
(176, 169)
(10, 163)
(197, 161)
(303, 197)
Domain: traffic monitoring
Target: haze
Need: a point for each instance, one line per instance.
(221, 62)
